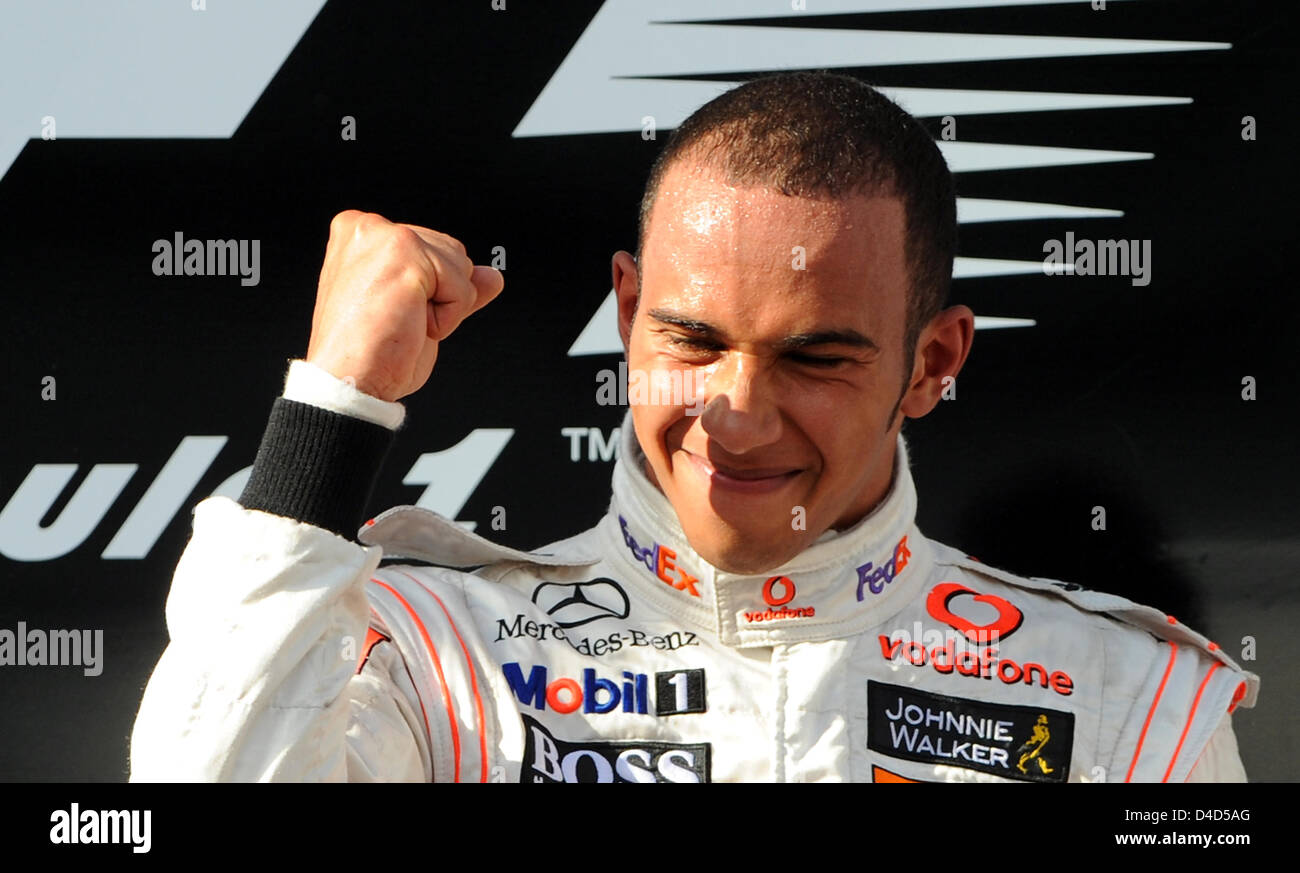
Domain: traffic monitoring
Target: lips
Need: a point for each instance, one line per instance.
(745, 480)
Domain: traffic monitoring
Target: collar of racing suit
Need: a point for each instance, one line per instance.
(843, 584)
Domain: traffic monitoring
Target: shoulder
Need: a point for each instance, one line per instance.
(439, 571)
(1163, 688)
(423, 535)
(1076, 606)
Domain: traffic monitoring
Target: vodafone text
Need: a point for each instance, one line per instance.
(952, 653)
(77, 825)
(776, 603)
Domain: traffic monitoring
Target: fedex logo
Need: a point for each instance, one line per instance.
(660, 560)
(874, 579)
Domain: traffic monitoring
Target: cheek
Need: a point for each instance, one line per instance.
(841, 421)
(664, 389)
(660, 423)
(825, 409)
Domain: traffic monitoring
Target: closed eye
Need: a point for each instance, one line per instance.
(693, 343)
(816, 360)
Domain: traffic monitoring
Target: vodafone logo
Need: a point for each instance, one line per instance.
(956, 656)
(939, 602)
(787, 591)
(777, 592)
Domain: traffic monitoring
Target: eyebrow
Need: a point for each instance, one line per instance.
(839, 337)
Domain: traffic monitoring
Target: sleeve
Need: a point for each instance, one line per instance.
(267, 616)
(1220, 762)
(307, 383)
(321, 452)
(1179, 720)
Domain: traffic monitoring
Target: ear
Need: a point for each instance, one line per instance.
(941, 351)
(626, 289)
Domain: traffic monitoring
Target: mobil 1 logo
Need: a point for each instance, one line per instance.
(549, 759)
(679, 692)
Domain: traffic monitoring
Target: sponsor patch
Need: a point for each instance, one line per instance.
(969, 650)
(677, 692)
(549, 759)
(880, 774)
(874, 579)
(574, 604)
(777, 592)
(957, 658)
(1009, 619)
(1028, 743)
(661, 561)
(521, 626)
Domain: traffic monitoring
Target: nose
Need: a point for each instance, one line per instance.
(740, 414)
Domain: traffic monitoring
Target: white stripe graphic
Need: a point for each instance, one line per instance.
(608, 80)
(146, 68)
(717, 10)
(612, 81)
(600, 336)
(973, 211)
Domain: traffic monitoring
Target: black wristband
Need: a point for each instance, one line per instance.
(317, 466)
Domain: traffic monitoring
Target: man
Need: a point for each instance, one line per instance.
(758, 603)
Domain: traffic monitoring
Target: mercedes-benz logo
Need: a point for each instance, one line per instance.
(576, 603)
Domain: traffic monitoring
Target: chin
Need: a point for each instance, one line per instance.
(745, 553)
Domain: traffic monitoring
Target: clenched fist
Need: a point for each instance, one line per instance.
(388, 294)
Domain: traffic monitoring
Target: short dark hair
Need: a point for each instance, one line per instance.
(820, 133)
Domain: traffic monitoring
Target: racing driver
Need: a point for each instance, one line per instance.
(758, 603)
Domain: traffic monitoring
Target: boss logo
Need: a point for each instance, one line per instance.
(548, 759)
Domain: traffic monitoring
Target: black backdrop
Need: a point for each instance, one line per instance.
(1118, 396)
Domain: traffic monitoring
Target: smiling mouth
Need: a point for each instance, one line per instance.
(744, 480)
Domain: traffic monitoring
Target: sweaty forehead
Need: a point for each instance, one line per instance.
(711, 242)
(696, 207)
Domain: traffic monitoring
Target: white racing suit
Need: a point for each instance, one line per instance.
(619, 655)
